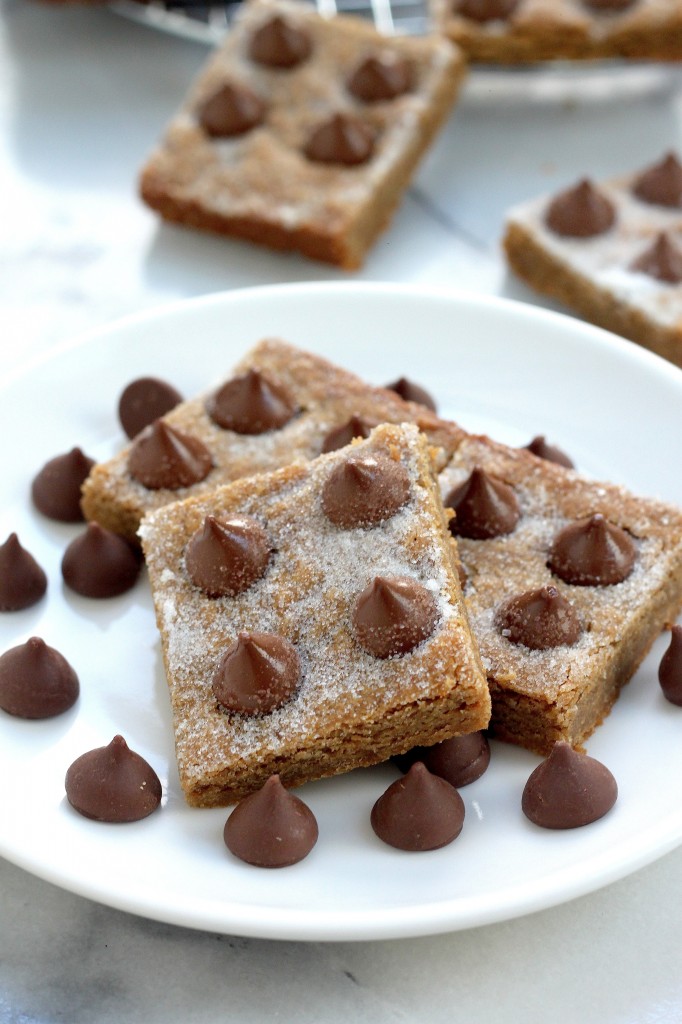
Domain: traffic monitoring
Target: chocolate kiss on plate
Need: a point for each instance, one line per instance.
(36, 681)
(271, 828)
(419, 812)
(113, 784)
(22, 581)
(56, 489)
(568, 790)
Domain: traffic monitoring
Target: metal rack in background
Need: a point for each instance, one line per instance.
(209, 21)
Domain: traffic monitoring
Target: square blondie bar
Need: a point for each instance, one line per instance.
(302, 132)
(350, 706)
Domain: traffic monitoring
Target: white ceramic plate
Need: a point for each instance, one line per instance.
(510, 369)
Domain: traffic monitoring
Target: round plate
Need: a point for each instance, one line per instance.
(508, 369)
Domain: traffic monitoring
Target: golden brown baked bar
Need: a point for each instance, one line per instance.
(526, 31)
(262, 184)
(564, 692)
(619, 622)
(324, 396)
(601, 276)
(350, 708)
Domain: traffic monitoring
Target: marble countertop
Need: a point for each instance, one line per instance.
(84, 93)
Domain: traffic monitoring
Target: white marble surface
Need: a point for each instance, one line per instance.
(83, 94)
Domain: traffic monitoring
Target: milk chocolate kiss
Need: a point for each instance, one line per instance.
(56, 490)
(661, 184)
(539, 619)
(364, 490)
(233, 109)
(99, 563)
(271, 828)
(339, 437)
(419, 812)
(484, 507)
(22, 580)
(568, 790)
(343, 139)
(226, 555)
(258, 673)
(485, 10)
(36, 681)
(251, 404)
(580, 212)
(670, 669)
(592, 552)
(278, 43)
(380, 77)
(113, 784)
(549, 452)
(393, 615)
(143, 401)
(460, 760)
(661, 260)
(165, 458)
(411, 392)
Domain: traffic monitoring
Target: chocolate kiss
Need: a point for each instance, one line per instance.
(539, 619)
(484, 507)
(662, 260)
(580, 212)
(232, 110)
(460, 760)
(36, 681)
(539, 447)
(279, 44)
(163, 457)
(257, 673)
(592, 552)
(670, 669)
(22, 581)
(568, 790)
(411, 392)
(225, 556)
(341, 140)
(251, 404)
(99, 563)
(364, 490)
(486, 10)
(661, 184)
(113, 784)
(381, 77)
(271, 828)
(418, 812)
(56, 490)
(339, 437)
(393, 615)
(143, 401)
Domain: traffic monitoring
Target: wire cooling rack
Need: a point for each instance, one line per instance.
(207, 21)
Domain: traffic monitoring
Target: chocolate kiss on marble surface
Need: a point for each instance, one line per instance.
(271, 828)
(364, 490)
(22, 581)
(661, 184)
(592, 552)
(549, 452)
(419, 812)
(343, 139)
(233, 110)
(580, 212)
(113, 784)
(257, 673)
(380, 77)
(670, 669)
(568, 790)
(99, 563)
(251, 404)
(280, 44)
(56, 489)
(226, 555)
(484, 507)
(36, 681)
(393, 615)
(460, 760)
(485, 10)
(164, 458)
(339, 437)
(411, 392)
(662, 260)
(143, 401)
(539, 619)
